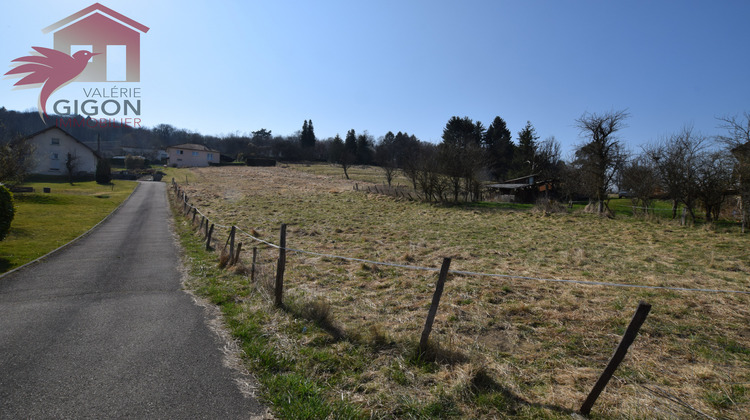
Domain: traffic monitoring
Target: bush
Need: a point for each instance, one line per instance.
(260, 162)
(103, 172)
(7, 211)
(134, 162)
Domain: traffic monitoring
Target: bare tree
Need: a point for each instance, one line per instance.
(641, 180)
(714, 180)
(602, 155)
(677, 160)
(71, 163)
(738, 141)
(16, 160)
(385, 156)
(549, 158)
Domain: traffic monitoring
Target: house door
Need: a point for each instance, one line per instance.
(117, 63)
(54, 161)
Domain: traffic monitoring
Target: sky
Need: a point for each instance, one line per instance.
(222, 67)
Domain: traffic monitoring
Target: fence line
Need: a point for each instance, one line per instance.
(608, 372)
(471, 273)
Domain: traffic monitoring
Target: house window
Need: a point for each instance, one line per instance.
(179, 152)
(55, 141)
(55, 156)
(210, 156)
(195, 153)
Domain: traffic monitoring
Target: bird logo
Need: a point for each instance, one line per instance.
(53, 69)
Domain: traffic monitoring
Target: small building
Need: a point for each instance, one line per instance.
(51, 148)
(524, 189)
(191, 154)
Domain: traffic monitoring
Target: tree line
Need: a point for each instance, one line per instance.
(687, 168)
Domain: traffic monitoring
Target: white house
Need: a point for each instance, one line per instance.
(190, 154)
(51, 148)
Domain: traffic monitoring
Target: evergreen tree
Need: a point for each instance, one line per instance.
(307, 138)
(350, 143)
(103, 172)
(460, 155)
(310, 135)
(525, 154)
(499, 149)
(303, 136)
(364, 149)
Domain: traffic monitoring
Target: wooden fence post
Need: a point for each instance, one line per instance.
(280, 268)
(627, 339)
(434, 306)
(231, 244)
(203, 220)
(252, 268)
(208, 237)
(195, 212)
(236, 257)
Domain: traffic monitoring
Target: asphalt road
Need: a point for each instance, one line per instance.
(101, 329)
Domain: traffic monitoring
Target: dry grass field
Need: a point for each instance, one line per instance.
(502, 347)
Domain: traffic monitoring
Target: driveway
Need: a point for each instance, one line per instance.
(102, 329)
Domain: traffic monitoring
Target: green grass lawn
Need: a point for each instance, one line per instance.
(45, 221)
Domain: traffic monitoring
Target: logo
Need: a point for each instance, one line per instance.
(95, 45)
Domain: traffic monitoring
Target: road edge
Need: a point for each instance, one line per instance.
(74, 240)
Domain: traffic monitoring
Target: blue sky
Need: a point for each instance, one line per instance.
(220, 67)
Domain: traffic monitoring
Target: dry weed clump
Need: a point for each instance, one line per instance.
(531, 346)
(547, 206)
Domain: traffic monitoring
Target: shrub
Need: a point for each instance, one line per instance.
(7, 211)
(134, 162)
(260, 162)
(103, 172)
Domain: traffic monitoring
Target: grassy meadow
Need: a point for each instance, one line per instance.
(46, 221)
(500, 346)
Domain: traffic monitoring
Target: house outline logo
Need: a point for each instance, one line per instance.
(99, 28)
(95, 44)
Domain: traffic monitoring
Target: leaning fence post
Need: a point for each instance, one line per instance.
(208, 237)
(195, 212)
(627, 339)
(231, 244)
(252, 268)
(433, 307)
(236, 257)
(280, 268)
(203, 220)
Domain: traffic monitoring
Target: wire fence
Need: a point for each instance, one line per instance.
(189, 207)
(263, 268)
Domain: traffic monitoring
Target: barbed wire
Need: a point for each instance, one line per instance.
(479, 274)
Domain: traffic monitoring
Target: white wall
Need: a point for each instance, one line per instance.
(186, 157)
(51, 151)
